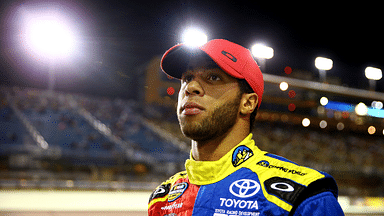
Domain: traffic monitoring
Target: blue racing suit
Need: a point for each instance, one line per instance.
(246, 181)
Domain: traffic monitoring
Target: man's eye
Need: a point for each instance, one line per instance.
(213, 77)
(187, 78)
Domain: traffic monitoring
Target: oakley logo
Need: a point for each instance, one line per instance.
(244, 188)
(229, 55)
(282, 186)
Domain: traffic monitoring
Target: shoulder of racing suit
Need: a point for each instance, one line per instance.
(287, 184)
(160, 194)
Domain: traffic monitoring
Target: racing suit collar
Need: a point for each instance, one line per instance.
(208, 172)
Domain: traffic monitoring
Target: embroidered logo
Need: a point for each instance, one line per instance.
(266, 164)
(240, 155)
(229, 55)
(161, 191)
(176, 191)
(244, 188)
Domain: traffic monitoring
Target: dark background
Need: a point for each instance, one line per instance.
(117, 38)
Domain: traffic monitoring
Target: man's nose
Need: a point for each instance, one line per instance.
(194, 88)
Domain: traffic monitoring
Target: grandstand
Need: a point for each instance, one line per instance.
(65, 141)
(48, 138)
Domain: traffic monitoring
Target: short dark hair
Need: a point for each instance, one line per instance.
(245, 88)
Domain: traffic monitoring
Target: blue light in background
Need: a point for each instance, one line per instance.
(346, 107)
(379, 113)
(339, 106)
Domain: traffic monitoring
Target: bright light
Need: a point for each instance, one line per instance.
(261, 51)
(306, 122)
(371, 130)
(323, 101)
(283, 86)
(322, 63)
(373, 73)
(194, 38)
(377, 104)
(49, 36)
(323, 124)
(361, 109)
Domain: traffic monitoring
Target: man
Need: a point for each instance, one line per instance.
(227, 174)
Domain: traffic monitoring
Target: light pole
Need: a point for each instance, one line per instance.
(262, 52)
(373, 74)
(323, 64)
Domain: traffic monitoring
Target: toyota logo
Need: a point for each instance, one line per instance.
(244, 188)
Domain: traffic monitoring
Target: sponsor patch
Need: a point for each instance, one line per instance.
(240, 155)
(176, 191)
(266, 164)
(244, 188)
(161, 191)
(284, 189)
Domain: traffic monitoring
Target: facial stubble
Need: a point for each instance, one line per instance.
(215, 124)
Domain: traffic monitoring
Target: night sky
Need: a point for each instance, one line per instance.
(116, 38)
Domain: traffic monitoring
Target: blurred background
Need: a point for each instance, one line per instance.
(88, 120)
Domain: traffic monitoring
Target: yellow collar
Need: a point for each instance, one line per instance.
(208, 172)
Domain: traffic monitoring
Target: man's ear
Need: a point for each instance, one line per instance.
(248, 103)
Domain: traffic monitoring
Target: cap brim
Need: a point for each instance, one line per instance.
(175, 61)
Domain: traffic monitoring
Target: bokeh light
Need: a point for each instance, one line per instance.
(291, 107)
(306, 122)
(361, 109)
(371, 130)
(283, 86)
(340, 126)
(288, 70)
(170, 91)
(323, 101)
(292, 94)
(323, 124)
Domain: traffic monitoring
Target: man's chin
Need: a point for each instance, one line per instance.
(193, 130)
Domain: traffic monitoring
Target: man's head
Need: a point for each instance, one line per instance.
(221, 85)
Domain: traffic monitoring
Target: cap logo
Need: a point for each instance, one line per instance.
(229, 55)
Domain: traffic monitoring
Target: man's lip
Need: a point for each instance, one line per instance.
(191, 108)
(191, 105)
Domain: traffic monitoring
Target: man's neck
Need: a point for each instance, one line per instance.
(213, 150)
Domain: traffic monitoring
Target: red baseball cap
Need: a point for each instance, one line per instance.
(235, 60)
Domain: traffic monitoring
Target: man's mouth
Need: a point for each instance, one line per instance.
(191, 108)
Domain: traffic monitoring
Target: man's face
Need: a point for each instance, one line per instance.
(209, 99)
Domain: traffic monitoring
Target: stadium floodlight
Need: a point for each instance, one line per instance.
(373, 73)
(194, 38)
(49, 36)
(262, 51)
(322, 63)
